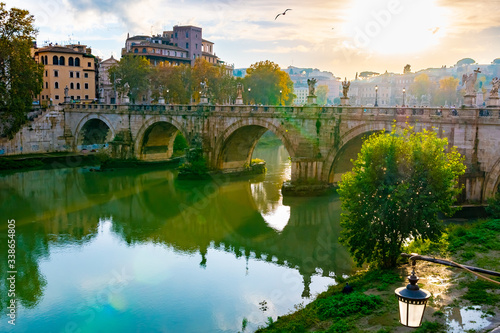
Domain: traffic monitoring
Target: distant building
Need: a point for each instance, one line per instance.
(107, 91)
(72, 66)
(182, 45)
(301, 91)
(299, 77)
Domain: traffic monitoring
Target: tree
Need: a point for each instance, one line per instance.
(421, 86)
(447, 93)
(21, 78)
(131, 75)
(322, 93)
(399, 184)
(266, 79)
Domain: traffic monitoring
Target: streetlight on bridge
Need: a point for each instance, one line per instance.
(249, 89)
(404, 92)
(376, 95)
(281, 92)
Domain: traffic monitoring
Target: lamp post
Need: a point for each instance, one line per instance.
(412, 299)
(249, 89)
(168, 90)
(404, 92)
(376, 95)
(281, 92)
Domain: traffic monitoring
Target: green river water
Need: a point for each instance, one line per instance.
(139, 251)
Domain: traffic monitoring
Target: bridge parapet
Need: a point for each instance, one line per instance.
(295, 111)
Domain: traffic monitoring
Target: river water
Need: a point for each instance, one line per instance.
(140, 251)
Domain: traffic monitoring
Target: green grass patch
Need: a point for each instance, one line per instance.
(343, 306)
(431, 327)
(482, 292)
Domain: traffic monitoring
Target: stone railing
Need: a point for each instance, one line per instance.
(306, 111)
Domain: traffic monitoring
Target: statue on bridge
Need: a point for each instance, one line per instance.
(495, 84)
(469, 81)
(311, 83)
(239, 91)
(345, 87)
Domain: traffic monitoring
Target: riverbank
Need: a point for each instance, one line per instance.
(14, 163)
(460, 302)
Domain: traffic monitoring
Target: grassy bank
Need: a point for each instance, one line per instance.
(372, 307)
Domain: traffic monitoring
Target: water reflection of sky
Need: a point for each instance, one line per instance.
(127, 251)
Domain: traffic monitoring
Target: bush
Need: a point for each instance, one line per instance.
(493, 207)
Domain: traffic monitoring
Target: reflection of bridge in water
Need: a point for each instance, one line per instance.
(66, 205)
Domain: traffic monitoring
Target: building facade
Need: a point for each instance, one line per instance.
(70, 68)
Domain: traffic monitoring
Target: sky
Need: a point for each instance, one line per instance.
(339, 36)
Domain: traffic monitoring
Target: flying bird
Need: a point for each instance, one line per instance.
(281, 14)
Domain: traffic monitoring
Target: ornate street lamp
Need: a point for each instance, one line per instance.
(249, 89)
(168, 90)
(404, 92)
(412, 302)
(412, 299)
(281, 91)
(376, 95)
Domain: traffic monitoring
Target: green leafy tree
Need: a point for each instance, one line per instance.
(266, 80)
(399, 184)
(131, 75)
(20, 76)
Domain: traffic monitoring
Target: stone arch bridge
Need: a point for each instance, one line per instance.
(320, 140)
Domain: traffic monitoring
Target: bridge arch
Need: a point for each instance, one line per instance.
(155, 138)
(93, 127)
(351, 138)
(492, 181)
(234, 148)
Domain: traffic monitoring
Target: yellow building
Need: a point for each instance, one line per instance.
(71, 66)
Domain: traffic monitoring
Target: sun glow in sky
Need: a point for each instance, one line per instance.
(341, 36)
(395, 27)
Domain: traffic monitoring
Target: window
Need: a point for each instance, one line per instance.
(196, 46)
(55, 60)
(77, 85)
(46, 73)
(46, 85)
(56, 73)
(187, 45)
(136, 50)
(43, 96)
(61, 61)
(46, 60)
(176, 35)
(56, 85)
(84, 75)
(43, 61)
(89, 64)
(71, 85)
(73, 97)
(187, 34)
(70, 61)
(70, 74)
(77, 62)
(86, 86)
(57, 97)
(143, 50)
(77, 75)
(86, 96)
(78, 97)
